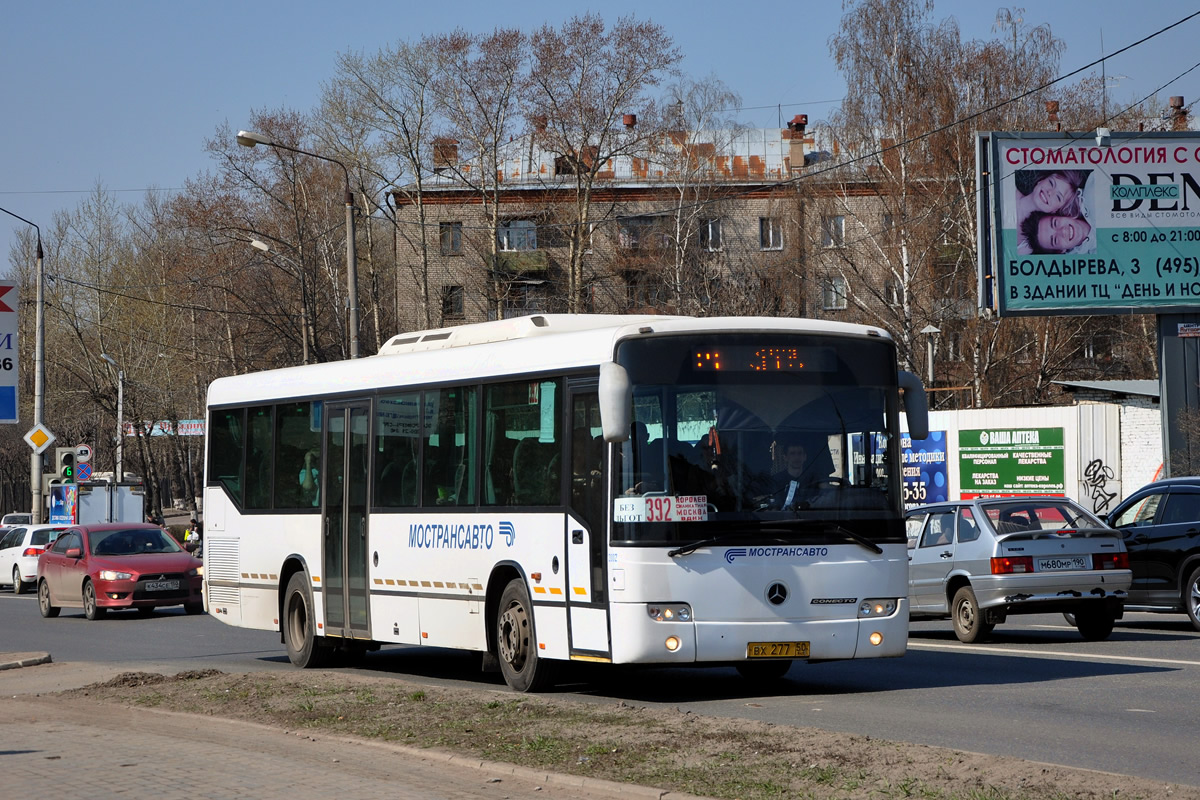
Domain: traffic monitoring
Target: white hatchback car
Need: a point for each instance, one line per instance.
(19, 551)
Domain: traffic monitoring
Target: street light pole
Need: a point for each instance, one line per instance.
(39, 377)
(119, 474)
(258, 244)
(249, 139)
(930, 331)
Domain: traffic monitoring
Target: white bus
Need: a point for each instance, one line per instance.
(552, 488)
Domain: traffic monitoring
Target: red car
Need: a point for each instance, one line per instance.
(117, 566)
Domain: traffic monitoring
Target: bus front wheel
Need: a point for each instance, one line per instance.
(516, 645)
(304, 648)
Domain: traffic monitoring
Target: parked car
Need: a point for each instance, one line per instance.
(1161, 526)
(16, 519)
(19, 551)
(116, 566)
(978, 561)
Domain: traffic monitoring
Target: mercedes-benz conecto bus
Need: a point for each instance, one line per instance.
(618, 489)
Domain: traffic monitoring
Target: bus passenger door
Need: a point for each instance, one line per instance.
(587, 600)
(344, 484)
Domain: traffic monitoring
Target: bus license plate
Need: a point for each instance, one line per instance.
(1063, 562)
(162, 586)
(777, 650)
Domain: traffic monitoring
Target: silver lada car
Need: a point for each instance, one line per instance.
(977, 561)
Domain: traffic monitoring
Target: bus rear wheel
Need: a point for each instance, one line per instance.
(304, 648)
(516, 644)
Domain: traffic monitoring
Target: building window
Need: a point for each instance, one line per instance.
(450, 234)
(517, 234)
(833, 293)
(525, 298)
(710, 235)
(452, 302)
(770, 233)
(642, 233)
(833, 231)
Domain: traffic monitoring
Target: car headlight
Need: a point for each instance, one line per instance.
(196, 571)
(675, 612)
(113, 575)
(877, 607)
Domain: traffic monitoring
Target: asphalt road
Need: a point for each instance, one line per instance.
(1036, 690)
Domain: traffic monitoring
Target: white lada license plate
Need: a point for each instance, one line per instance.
(1063, 563)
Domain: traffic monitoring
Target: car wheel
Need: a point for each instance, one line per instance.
(969, 626)
(1070, 618)
(1191, 598)
(1095, 624)
(193, 608)
(516, 645)
(764, 671)
(304, 648)
(18, 587)
(91, 609)
(44, 600)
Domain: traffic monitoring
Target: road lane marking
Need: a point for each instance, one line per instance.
(1015, 651)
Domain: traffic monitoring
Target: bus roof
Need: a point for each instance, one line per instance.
(520, 345)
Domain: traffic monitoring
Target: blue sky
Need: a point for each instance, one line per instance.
(124, 94)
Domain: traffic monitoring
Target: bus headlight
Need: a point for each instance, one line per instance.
(673, 612)
(877, 607)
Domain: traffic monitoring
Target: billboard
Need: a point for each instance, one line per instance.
(1090, 224)
(1010, 462)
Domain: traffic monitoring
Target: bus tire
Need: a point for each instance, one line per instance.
(304, 648)
(516, 644)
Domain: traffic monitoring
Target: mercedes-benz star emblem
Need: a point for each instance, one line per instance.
(777, 594)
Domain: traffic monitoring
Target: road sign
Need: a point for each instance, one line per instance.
(83, 453)
(8, 352)
(39, 438)
(83, 471)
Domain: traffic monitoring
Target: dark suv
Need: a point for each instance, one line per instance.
(1161, 526)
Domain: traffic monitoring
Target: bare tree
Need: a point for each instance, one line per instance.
(584, 78)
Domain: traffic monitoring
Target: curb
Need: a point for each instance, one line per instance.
(18, 660)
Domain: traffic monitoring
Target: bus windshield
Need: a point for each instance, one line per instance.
(762, 438)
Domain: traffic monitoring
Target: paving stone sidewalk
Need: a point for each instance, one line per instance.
(74, 748)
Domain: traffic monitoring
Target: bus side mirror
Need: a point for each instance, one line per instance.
(916, 407)
(616, 402)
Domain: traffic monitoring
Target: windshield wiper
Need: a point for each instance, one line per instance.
(857, 538)
(724, 537)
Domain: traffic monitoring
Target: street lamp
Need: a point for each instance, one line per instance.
(250, 139)
(930, 331)
(39, 377)
(119, 475)
(258, 244)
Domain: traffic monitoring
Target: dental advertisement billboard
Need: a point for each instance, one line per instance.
(1090, 223)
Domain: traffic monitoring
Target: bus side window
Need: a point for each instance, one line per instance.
(451, 451)
(397, 446)
(294, 438)
(227, 430)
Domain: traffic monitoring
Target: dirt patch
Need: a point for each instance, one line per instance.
(671, 750)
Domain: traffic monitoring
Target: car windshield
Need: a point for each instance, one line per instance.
(1040, 515)
(758, 438)
(131, 542)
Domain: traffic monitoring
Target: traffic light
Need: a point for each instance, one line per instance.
(66, 464)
